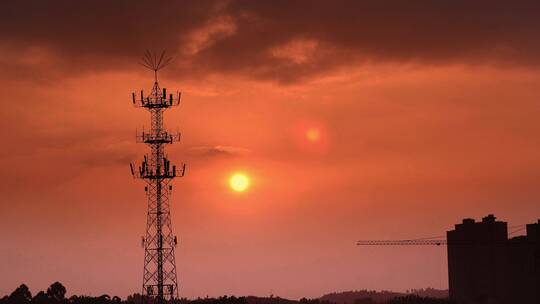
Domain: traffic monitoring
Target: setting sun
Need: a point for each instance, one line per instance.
(239, 182)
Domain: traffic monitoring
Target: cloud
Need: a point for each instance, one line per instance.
(284, 41)
(218, 151)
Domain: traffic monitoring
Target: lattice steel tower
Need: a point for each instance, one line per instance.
(159, 278)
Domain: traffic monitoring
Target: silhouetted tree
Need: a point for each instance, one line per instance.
(413, 299)
(56, 292)
(364, 301)
(40, 298)
(21, 295)
(135, 298)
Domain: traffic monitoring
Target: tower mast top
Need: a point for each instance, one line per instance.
(154, 62)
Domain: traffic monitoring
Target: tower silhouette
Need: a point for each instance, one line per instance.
(159, 277)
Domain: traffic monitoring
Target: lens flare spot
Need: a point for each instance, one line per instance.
(313, 135)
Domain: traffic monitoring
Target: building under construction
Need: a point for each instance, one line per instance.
(485, 266)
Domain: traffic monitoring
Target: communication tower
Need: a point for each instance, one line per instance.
(159, 278)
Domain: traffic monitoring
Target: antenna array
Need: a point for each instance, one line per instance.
(159, 278)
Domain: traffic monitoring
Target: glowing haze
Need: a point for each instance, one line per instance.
(351, 120)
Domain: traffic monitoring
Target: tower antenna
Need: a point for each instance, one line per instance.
(159, 277)
(153, 62)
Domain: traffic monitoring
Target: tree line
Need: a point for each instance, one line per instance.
(56, 294)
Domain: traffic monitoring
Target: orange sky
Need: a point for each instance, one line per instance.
(412, 140)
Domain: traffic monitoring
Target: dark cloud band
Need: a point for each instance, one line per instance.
(278, 40)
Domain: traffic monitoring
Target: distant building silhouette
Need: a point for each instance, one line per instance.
(484, 266)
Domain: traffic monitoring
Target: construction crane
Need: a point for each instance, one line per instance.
(435, 241)
(401, 242)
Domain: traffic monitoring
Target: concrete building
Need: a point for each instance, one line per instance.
(484, 266)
